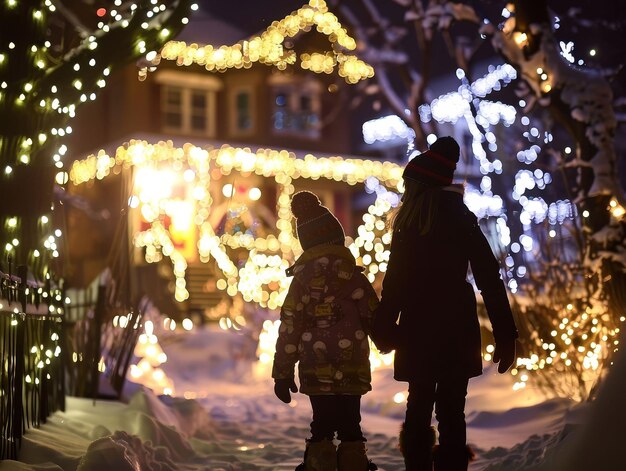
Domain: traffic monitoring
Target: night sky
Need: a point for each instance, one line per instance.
(251, 15)
(599, 24)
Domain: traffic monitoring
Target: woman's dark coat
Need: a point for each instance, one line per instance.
(426, 285)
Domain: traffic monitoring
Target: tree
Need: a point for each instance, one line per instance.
(568, 268)
(53, 58)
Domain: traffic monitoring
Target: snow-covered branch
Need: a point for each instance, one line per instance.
(585, 93)
(441, 15)
(388, 60)
(377, 56)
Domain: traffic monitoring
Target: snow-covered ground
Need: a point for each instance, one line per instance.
(234, 422)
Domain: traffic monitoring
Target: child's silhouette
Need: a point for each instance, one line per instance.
(325, 322)
(437, 343)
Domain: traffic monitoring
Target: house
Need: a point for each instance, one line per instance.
(292, 110)
(251, 107)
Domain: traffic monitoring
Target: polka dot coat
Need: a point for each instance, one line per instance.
(325, 322)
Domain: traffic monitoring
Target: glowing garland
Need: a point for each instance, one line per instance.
(268, 48)
(148, 370)
(268, 257)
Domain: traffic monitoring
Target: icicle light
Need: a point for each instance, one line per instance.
(267, 256)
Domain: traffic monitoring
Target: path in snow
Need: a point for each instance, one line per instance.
(236, 423)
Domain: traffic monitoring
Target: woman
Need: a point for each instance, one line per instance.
(437, 336)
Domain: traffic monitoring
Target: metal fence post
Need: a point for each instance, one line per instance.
(98, 317)
(20, 349)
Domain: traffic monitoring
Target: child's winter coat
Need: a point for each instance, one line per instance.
(325, 322)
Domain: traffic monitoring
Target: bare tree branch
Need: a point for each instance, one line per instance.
(72, 18)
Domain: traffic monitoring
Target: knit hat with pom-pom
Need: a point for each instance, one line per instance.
(435, 166)
(315, 224)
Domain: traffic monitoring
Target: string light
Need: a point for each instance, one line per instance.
(616, 209)
(36, 91)
(268, 48)
(148, 370)
(520, 38)
(261, 278)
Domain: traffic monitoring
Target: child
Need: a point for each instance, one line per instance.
(437, 339)
(325, 322)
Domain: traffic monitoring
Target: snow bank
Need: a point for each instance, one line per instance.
(145, 434)
(599, 443)
(124, 452)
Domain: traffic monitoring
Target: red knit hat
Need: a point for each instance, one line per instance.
(435, 166)
(315, 224)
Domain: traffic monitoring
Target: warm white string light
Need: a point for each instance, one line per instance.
(267, 256)
(268, 48)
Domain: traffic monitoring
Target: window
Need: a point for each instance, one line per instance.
(188, 111)
(199, 106)
(188, 103)
(244, 120)
(295, 112)
(173, 107)
(242, 110)
(296, 107)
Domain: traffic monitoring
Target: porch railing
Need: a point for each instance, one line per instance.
(32, 371)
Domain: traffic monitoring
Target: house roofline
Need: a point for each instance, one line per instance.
(178, 141)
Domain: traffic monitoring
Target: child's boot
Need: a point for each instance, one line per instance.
(319, 456)
(352, 456)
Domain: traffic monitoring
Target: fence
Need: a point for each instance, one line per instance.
(32, 371)
(101, 337)
(48, 344)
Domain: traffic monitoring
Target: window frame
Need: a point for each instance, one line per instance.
(235, 130)
(295, 88)
(189, 84)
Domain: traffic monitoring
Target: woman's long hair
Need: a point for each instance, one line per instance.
(418, 207)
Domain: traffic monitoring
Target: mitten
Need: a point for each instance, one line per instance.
(282, 388)
(504, 354)
(384, 334)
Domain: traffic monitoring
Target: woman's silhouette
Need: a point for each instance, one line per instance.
(437, 336)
